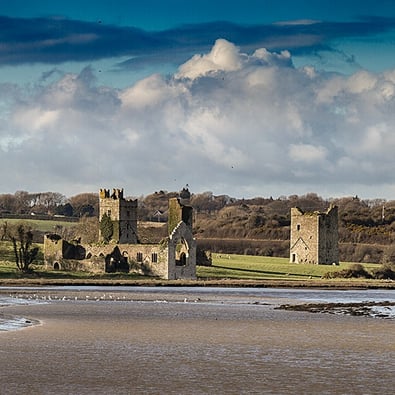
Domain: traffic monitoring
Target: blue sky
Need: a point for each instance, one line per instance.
(242, 98)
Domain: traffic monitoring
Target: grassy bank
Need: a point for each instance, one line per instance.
(46, 226)
(261, 268)
(227, 270)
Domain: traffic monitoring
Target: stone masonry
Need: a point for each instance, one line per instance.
(123, 214)
(173, 258)
(314, 237)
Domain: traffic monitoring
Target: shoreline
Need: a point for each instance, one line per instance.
(180, 294)
(233, 283)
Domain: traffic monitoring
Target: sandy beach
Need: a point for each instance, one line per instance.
(163, 344)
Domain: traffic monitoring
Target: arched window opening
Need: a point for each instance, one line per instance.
(181, 253)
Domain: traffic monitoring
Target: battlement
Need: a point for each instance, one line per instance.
(116, 193)
(185, 195)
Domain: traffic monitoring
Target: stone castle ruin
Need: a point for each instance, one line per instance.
(123, 214)
(314, 237)
(173, 258)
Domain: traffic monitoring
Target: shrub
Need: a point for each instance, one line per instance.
(384, 272)
(25, 253)
(356, 270)
(106, 228)
(389, 255)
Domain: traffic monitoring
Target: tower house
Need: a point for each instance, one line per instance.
(123, 214)
(314, 237)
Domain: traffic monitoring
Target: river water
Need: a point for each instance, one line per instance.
(94, 340)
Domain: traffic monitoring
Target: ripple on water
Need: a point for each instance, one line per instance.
(10, 323)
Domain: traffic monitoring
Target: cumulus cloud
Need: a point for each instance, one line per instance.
(227, 121)
(224, 56)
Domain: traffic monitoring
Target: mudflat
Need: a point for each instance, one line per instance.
(160, 345)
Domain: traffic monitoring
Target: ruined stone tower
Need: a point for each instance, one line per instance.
(180, 210)
(314, 237)
(123, 214)
(182, 244)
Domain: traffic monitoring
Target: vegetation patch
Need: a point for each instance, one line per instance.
(357, 270)
(355, 309)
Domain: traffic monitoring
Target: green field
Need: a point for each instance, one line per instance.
(242, 267)
(37, 224)
(260, 267)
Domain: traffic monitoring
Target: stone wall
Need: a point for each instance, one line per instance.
(57, 251)
(148, 259)
(314, 237)
(328, 252)
(179, 211)
(182, 253)
(123, 214)
(173, 258)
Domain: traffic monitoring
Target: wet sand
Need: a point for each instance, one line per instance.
(194, 347)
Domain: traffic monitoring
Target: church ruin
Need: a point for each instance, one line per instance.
(314, 237)
(119, 248)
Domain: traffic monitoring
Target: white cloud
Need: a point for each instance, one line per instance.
(35, 119)
(149, 92)
(272, 58)
(306, 153)
(361, 81)
(224, 56)
(247, 124)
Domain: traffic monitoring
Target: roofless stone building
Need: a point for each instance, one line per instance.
(173, 258)
(314, 237)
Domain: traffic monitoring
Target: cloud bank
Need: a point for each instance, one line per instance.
(55, 40)
(226, 121)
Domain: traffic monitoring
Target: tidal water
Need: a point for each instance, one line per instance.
(192, 341)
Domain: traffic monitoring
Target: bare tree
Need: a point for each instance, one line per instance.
(85, 204)
(25, 253)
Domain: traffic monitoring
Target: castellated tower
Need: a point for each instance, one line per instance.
(314, 237)
(180, 210)
(123, 214)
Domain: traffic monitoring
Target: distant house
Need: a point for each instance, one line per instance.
(314, 237)
(173, 258)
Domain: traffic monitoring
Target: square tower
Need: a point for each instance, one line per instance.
(180, 210)
(314, 237)
(123, 214)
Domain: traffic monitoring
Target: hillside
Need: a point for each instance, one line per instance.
(257, 226)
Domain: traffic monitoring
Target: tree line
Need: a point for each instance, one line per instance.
(366, 226)
(49, 203)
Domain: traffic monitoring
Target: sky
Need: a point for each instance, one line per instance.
(252, 98)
